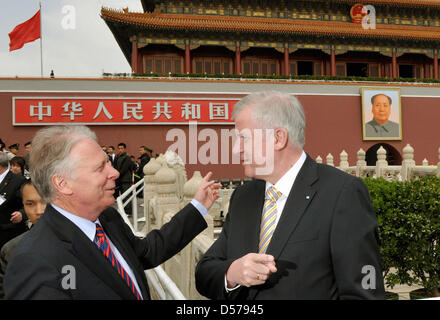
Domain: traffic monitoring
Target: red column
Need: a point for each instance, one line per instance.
(237, 60)
(187, 59)
(426, 73)
(333, 63)
(134, 57)
(435, 65)
(140, 62)
(394, 69)
(286, 62)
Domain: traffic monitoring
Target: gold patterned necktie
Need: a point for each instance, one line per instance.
(268, 225)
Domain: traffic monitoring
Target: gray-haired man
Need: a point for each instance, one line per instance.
(299, 231)
(80, 236)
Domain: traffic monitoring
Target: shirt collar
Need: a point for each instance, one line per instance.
(284, 185)
(86, 226)
(3, 175)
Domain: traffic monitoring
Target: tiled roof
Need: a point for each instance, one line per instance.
(191, 22)
(412, 3)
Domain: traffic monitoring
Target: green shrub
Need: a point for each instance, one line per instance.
(408, 215)
(268, 77)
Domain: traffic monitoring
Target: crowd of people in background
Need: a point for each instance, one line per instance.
(18, 165)
(130, 168)
(20, 204)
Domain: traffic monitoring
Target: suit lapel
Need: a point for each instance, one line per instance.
(87, 252)
(301, 195)
(252, 225)
(5, 182)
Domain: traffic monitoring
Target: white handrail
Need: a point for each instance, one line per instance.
(131, 193)
(165, 288)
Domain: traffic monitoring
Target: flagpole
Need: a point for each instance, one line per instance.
(41, 43)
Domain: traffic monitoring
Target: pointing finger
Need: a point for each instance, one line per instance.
(207, 176)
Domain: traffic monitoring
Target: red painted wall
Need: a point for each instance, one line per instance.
(333, 125)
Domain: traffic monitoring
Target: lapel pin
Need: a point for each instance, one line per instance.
(307, 197)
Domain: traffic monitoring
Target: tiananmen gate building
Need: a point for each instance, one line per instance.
(193, 60)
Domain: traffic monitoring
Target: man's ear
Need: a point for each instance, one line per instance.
(281, 137)
(61, 184)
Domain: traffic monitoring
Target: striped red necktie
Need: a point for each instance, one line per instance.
(103, 245)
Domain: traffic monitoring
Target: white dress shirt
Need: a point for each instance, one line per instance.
(284, 185)
(3, 175)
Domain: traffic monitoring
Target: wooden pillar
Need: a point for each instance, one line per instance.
(140, 62)
(333, 63)
(427, 71)
(286, 62)
(134, 57)
(394, 68)
(436, 65)
(237, 60)
(187, 58)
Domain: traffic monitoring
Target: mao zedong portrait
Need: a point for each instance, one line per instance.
(380, 125)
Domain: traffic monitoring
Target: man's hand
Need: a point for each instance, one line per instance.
(251, 270)
(16, 217)
(207, 192)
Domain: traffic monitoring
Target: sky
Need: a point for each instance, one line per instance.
(76, 42)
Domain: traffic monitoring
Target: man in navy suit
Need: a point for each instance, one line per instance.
(80, 236)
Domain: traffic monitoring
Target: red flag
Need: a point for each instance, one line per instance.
(28, 31)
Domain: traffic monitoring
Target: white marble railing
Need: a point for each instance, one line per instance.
(407, 171)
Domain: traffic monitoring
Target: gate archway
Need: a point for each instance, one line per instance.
(393, 156)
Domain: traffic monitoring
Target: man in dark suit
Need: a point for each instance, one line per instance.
(33, 209)
(10, 201)
(125, 166)
(144, 158)
(111, 155)
(299, 230)
(81, 248)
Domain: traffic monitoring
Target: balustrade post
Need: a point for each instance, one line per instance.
(343, 164)
(360, 163)
(408, 162)
(329, 159)
(438, 164)
(381, 162)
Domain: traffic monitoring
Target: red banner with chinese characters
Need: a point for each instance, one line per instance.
(120, 111)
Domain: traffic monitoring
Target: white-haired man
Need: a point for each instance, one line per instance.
(80, 234)
(299, 230)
